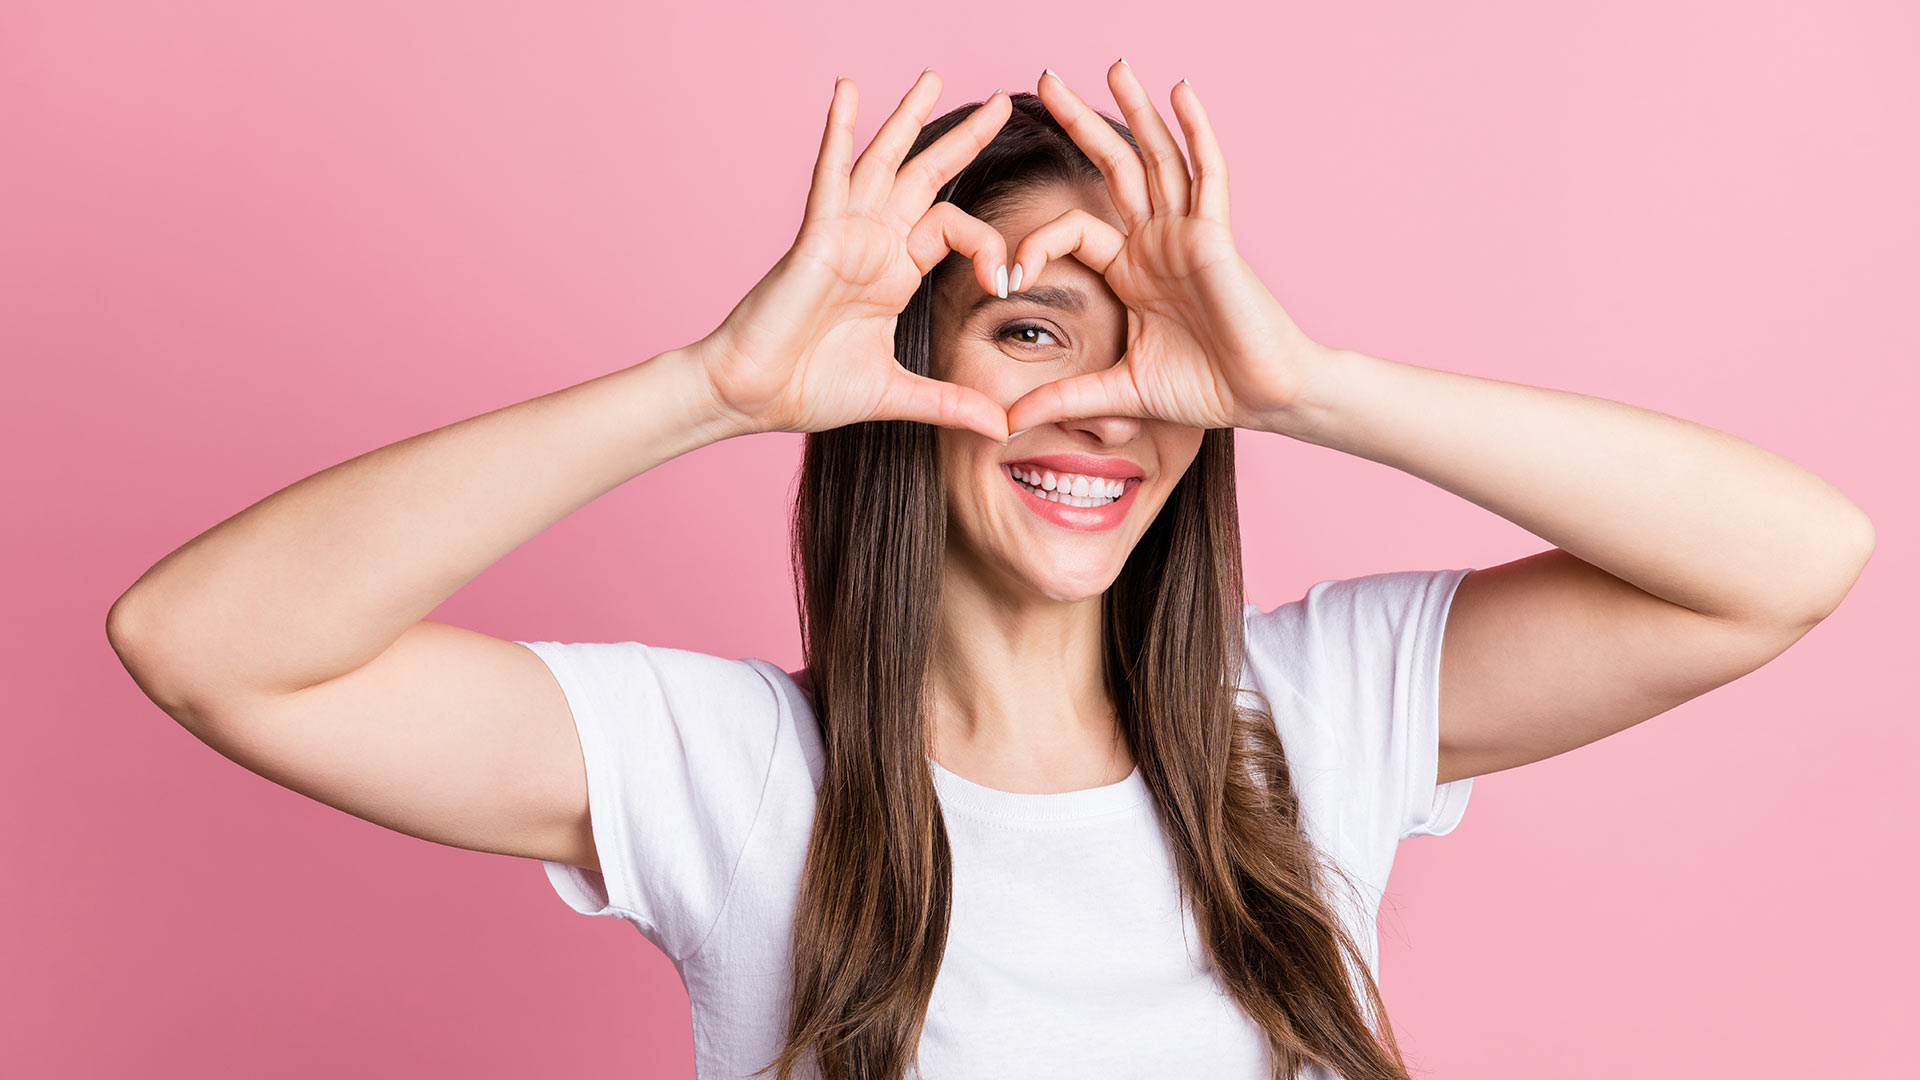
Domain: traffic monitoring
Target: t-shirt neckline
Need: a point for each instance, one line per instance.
(1039, 806)
(962, 793)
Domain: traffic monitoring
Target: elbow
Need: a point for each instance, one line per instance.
(120, 620)
(1861, 549)
(1866, 539)
(122, 628)
(131, 635)
(1850, 555)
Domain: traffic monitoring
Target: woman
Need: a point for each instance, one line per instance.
(1047, 798)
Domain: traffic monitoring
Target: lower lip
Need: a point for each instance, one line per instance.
(1084, 518)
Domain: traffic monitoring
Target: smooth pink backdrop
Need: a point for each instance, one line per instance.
(242, 242)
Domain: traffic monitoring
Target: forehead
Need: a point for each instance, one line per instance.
(1034, 207)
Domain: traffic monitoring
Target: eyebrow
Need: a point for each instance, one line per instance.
(1049, 295)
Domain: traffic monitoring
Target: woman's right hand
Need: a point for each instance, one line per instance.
(811, 346)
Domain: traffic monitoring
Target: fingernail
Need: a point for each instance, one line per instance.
(1185, 81)
(1049, 71)
(1000, 280)
(1013, 284)
(1123, 62)
(1012, 435)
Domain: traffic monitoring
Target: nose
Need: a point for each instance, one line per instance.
(1105, 430)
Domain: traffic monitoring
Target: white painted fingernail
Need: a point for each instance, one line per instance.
(1000, 280)
(1013, 284)
(1011, 435)
(1050, 71)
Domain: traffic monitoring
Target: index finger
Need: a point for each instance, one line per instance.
(1075, 232)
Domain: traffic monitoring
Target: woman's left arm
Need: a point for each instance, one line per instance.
(1685, 557)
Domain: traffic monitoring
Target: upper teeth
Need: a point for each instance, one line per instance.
(1097, 487)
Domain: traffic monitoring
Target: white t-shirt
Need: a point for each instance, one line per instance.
(1068, 954)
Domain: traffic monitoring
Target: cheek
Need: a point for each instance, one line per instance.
(985, 371)
(961, 466)
(948, 453)
(978, 364)
(1179, 447)
(1012, 379)
(1193, 446)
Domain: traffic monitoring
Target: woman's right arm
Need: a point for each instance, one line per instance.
(292, 637)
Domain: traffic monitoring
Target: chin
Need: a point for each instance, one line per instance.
(1062, 586)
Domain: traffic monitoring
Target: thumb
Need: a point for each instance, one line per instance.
(931, 401)
(1110, 392)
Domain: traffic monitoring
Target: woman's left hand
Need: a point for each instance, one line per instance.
(1207, 344)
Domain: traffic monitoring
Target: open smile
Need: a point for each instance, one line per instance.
(1048, 506)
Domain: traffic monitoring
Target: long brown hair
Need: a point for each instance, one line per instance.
(869, 539)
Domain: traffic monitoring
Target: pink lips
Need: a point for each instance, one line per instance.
(1113, 468)
(1081, 518)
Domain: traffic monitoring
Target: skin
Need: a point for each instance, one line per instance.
(293, 637)
(1683, 557)
(1018, 701)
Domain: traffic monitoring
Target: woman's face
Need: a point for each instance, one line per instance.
(1063, 545)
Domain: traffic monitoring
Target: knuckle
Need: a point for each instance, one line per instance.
(919, 171)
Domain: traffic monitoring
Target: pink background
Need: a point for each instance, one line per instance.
(242, 242)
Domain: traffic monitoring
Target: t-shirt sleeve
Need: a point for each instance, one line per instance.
(678, 746)
(1352, 670)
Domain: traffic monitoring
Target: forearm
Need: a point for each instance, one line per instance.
(1693, 515)
(323, 575)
